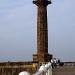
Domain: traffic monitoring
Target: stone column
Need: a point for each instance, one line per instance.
(42, 31)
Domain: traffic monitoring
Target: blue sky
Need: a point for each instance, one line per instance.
(18, 29)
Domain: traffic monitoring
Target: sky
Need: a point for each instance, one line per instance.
(18, 30)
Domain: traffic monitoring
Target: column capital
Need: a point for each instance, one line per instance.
(41, 2)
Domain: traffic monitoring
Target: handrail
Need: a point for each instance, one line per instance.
(44, 68)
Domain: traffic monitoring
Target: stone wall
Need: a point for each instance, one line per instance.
(13, 68)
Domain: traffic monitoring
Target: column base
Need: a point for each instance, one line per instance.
(42, 57)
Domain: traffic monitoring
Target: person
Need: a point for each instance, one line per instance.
(54, 62)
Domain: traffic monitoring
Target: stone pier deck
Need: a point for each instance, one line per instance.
(64, 70)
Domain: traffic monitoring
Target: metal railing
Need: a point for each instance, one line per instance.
(44, 68)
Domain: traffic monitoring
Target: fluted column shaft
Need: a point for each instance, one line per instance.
(42, 31)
